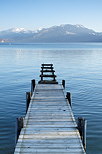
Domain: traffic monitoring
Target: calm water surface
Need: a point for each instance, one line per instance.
(79, 64)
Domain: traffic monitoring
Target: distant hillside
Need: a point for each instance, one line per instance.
(63, 33)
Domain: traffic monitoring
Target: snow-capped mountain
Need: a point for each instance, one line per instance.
(62, 33)
(17, 30)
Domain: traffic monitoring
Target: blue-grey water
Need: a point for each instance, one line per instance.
(80, 64)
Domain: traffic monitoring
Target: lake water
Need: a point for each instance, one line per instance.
(80, 64)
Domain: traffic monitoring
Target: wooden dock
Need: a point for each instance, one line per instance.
(49, 125)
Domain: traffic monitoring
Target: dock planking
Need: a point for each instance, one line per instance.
(49, 125)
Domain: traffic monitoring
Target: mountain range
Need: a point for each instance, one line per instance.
(63, 33)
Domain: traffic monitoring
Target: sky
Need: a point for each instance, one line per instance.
(34, 14)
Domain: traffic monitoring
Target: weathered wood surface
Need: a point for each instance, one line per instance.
(47, 64)
(49, 125)
(47, 75)
(47, 70)
(47, 67)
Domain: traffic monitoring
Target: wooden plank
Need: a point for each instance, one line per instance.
(50, 108)
(47, 64)
(53, 149)
(47, 70)
(49, 111)
(75, 150)
(48, 135)
(48, 75)
(51, 135)
(47, 119)
(51, 144)
(49, 152)
(41, 103)
(63, 123)
(48, 146)
(47, 86)
(42, 129)
(57, 141)
(49, 114)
